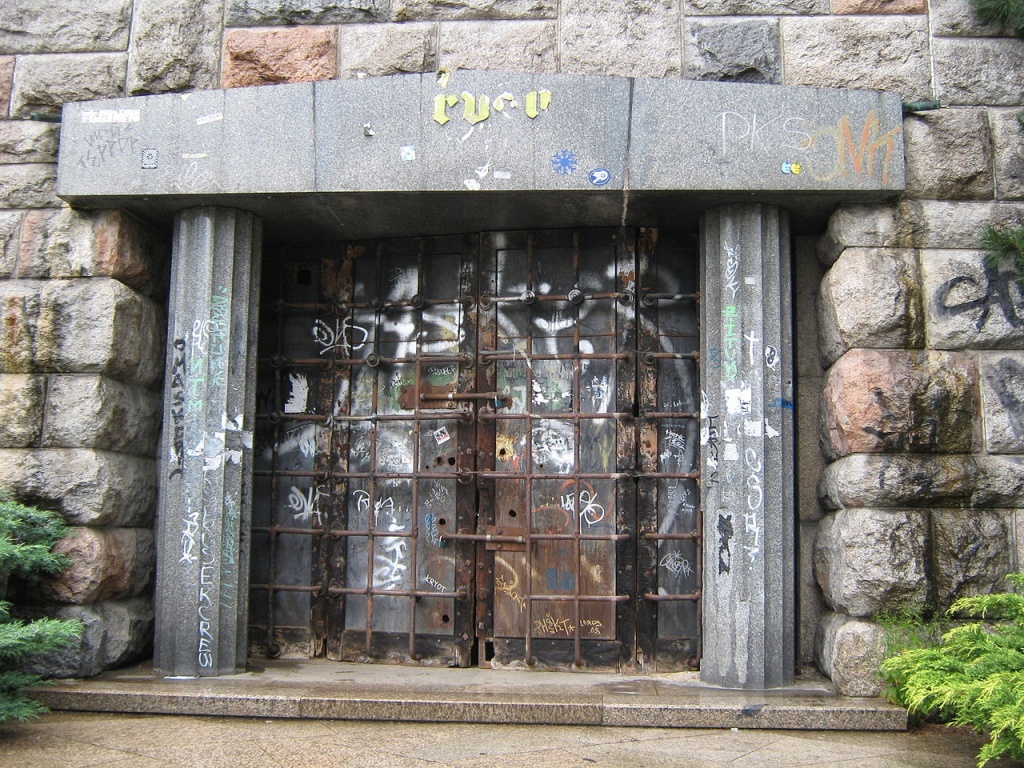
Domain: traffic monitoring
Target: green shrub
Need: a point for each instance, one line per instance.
(27, 536)
(1005, 249)
(974, 676)
(1003, 12)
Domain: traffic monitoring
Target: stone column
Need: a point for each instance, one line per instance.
(747, 448)
(206, 449)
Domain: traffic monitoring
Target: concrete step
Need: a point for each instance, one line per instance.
(317, 689)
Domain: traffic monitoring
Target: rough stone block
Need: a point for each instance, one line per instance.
(10, 229)
(271, 56)
(870, 298)
(19, 316)
(970, 553)
(857, 226)
(754, 7)
(86, 411)
(969, 302)
(956, 18)
(98, 325)
(872, 560)
(944, 224)
(32, 185)
(6, 84)
(87, 487)
(106, 563)
(465, 10)
(949, 155)
(372, 50)
(1000, 482)
(511, 46)
(66, 243)
(28, 142)
(884, 53)
(606, 37)
(175, 45)
(879, 401)
(811, 606)
(45, 83)
(30, 27)
(744, 50)
(979, 71)
(1002, 393)
(259, 13)
(1008, 141)
(850, 652)
(21, 402)
(879, 6)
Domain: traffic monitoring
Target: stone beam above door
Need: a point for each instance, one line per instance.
(353, 157)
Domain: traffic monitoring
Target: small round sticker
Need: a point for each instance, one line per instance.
(600, 176)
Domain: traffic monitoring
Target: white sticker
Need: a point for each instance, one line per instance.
(111, 115)
(730, 452)
(737, 401)
(441, 435)
(752, 428)
(408, 153)
(209, 118)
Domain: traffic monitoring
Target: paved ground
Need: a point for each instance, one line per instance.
(81, 739)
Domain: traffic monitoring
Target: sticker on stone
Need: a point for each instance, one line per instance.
(149, 159)
(441, 436)
(792, 168)
(564, 162)
(408, 153)
(600, 176)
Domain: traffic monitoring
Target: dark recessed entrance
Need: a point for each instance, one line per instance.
(480, 449)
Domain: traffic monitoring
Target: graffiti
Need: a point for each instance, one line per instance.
(730, 342)
(997, 290)
(771, 357)
(476, 109)
(437, 585)
(851, 156)
(433, 533)
(725, 534)
(299, 394)
(549, 625)
(1007, 379)
(676, 564)
(192, 179)
(564, 162)
(307, 506)
(511, 589)
(732, 267)
(178, 375)
(755, 500)
(553, 447)
(108, 143)
(438, 495)
(594, 626)
(208, 571)
(675, 446)
(220, 317)
(189, 530)
(345, 336)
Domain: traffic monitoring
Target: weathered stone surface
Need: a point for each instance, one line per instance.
(969, 302)
(31, 185)
(372, 50)
(879, 6)
(87, 411)
(106, 563)
(269, 56)
(463, 10)
(754, 7)
(872, 560)
(258, 13)
(6, 84)
(956, 18)
(66, 243)
(30, 27)
(19, 316)
(745, 50)
(949, 155)
(21, 402)
(850, 652)
(1002, 391)
(45, 83)
(87, 487)
(970, 553)
(511, 46)
(117, 632)
(811, 606)
(922, 480)
(1008, 141)
(10, 229)
(899, 400)
(888, 54)
(870, 298)
(857, 226)
(978, 71)
(944, 224)
(605, 37)
(175, 45)
(28, 142)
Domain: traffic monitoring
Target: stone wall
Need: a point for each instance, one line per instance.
(915, 364)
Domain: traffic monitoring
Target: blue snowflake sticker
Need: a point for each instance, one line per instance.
(564, 162)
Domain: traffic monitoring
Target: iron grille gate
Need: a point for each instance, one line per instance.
(480, 449)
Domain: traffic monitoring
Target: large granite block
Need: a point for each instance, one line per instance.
(949, 155)
(21, 400)
(1002, 393)
(45, 83)
(979, 71)
(27, 26)
(275, 55)
(257, 13)
(373, 50)
(88, 411)
(607, 37)
(176, 45)
(508, 46)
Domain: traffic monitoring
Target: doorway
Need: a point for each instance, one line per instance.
(480, 449)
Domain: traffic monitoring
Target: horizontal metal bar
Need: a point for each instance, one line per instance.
(500, 539)
(693, 596)
(650, 357)
(489, 475)
(529, 358)
(529, 297)
(671, 415)
(649, 299)
(460, 594)
(613, 415)
(668, 475)
(692, 536)
(579, 598)
(464, 396)
(274, 530)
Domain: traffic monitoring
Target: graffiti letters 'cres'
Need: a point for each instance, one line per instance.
(476, 109)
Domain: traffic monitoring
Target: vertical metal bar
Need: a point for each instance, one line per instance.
(530, 264)
(577, 463)
(273, 649)
(371, 518)
(414, 513)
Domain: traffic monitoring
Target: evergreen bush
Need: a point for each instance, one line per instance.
(974, 676)
(27, 536)
(1002, 12)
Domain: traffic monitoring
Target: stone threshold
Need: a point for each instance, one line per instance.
(317, 689)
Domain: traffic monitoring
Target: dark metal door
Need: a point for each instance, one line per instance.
(466, 442)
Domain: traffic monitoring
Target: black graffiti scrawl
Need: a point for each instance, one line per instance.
(1007, 381)
(998, 290)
